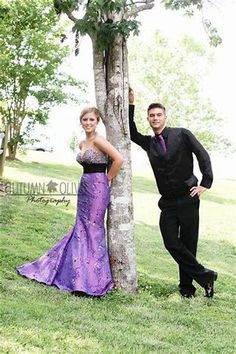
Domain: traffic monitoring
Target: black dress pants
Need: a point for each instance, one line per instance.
(179, 224)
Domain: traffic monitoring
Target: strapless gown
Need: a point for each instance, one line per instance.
(79, 262)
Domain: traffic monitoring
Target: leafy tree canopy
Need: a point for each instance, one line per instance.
(30, 59)
(173, 75)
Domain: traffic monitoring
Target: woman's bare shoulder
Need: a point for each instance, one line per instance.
(81, 144)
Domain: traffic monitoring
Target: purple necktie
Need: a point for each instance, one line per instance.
(162, 142)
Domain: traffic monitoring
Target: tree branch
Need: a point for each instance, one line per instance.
(140, 2)
(60, 7)
(148, 4)
(71, 16)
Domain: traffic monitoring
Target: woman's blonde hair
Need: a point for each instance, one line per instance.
(90, 110)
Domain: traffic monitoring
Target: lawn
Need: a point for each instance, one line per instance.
(40, 319)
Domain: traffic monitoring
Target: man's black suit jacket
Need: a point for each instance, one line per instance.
(173, 170)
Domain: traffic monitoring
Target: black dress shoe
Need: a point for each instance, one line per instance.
(187, 293)
(209, 288)
(187, 296)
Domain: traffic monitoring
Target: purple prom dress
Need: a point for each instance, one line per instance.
(79, 262)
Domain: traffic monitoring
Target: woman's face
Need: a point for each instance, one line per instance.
(89, 122)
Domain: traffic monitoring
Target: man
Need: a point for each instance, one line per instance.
(170, 152)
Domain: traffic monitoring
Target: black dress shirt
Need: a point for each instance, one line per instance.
(173, 169)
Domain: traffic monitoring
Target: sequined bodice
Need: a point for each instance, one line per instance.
(91, 156)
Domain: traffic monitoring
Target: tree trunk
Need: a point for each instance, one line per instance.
(114, 77)
(111, 88)
(3, 155)
(12, 149)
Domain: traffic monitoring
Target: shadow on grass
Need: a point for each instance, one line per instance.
(211, 197)
(58, 171)
(144, 185)
(73, 173)
(158, 287)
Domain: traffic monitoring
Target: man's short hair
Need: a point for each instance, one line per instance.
(156, 105)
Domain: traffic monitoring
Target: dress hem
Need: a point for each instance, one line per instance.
(109, 287)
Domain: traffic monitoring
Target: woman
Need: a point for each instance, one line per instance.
(79, 262)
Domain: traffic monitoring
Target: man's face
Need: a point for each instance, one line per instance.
(157, 119)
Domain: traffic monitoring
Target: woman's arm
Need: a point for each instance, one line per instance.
(117, 159)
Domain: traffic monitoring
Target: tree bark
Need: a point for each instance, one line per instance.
(12, 150)
(111, 77)
(3, 155)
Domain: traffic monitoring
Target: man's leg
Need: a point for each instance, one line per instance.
(189, 226)
(169, 226)
(189, 220)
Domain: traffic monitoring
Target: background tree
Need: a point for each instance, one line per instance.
(73, 142)
(109, 23)
(174, 76)
(189, 7)
(30, 58)
(3, 144)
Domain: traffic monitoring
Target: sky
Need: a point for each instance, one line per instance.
(221, 83)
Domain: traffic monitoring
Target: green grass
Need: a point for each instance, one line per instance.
(40, 319)
(52, 170)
